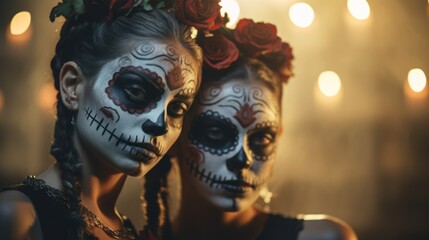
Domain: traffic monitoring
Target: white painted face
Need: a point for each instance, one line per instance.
(132, 111)
(228, 144)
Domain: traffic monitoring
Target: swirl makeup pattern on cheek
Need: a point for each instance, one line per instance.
(110, 113)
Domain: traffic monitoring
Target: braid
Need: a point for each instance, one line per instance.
(156, 195)
(62, 148)
(68, 162)
(166, 226)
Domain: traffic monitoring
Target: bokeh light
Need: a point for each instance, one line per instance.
(359, 9)
(417, 80)
(329, 83)
(20, 23)
(233, 9)
(47, 97)
(301, 14)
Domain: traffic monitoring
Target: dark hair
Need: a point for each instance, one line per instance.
(92, 44)
(156, 184)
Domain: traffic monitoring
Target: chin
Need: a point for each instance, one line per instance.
(232, 204)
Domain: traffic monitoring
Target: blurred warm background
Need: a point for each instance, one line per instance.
(356, 115)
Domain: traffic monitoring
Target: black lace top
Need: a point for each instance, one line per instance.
(278, 227)
(51, 208)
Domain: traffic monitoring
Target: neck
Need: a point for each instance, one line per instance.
(101, 185)
(198, 219)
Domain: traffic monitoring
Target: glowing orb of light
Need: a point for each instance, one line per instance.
(359, 9)
(417, 80)
(301, 14)
(20, 23)
(233, 9)
(47, 97)
(329, 83)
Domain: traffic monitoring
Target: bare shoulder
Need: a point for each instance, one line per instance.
(325, 227)
(18, 218)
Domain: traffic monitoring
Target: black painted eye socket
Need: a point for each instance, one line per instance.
(261, 141)
(213, 134)
(137, 88)
(177, 109)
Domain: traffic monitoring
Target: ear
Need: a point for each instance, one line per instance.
(71, 80)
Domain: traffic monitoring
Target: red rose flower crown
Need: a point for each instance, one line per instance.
(202, 14)
(223, 46)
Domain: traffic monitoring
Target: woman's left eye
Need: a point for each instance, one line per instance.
(177, 109)
(136, 92)
(262, 139)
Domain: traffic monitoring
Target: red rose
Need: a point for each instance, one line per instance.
(201, 14)
(218, 51)
(286, 52)
(106, 10)
(257, 38)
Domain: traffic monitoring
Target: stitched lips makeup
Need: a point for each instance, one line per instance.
(237, 186)
(145, 152)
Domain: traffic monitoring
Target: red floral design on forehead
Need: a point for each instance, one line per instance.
(245, 115)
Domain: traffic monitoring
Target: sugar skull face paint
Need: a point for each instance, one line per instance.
(131, 112)
(228, 144)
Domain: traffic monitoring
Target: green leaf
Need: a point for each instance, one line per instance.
(62, 9)
(78, 6)
(160, 5)
(67, 8)
(147, 6)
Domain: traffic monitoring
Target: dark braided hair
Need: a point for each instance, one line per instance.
(92, 44)
(156, 197)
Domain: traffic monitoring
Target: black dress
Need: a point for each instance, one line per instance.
(51, 208)
(278, 227)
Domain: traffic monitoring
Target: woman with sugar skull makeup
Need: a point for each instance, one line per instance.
(227, 148)
(126, 72)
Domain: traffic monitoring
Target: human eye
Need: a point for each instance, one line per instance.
(135, 92)
(215, 133)
(262, 141)
(177, 109)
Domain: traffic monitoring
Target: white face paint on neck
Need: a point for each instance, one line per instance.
(131, 113)
(228, 144)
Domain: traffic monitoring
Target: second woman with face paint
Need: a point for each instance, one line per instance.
(227, 149)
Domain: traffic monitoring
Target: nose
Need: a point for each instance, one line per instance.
(238, 161)
(157, 128)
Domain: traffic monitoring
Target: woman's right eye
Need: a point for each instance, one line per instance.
(136, 92)
(215, 133)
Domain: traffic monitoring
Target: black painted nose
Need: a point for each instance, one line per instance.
(238, 161)
(155, 129)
